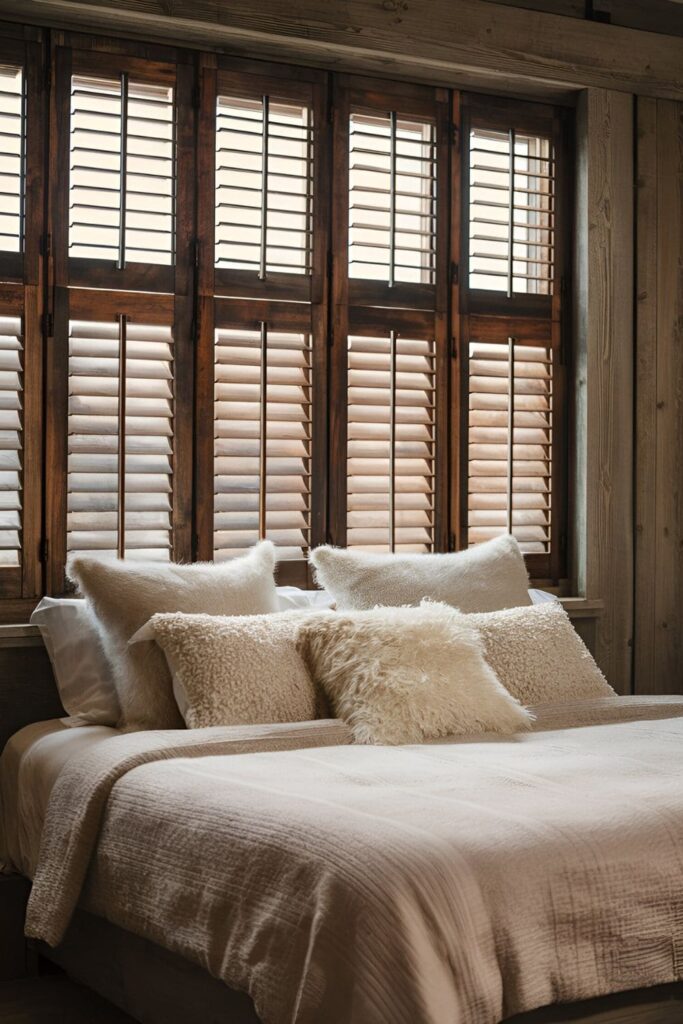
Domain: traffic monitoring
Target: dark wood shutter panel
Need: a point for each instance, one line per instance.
(120, 439)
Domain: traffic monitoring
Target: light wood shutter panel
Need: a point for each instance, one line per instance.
(510, 449)
(262, 440)
(391, 443)
(11, 438)
(122, 170)
(12, 158)
(120, 439)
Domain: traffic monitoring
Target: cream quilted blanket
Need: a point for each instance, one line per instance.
(459, 881)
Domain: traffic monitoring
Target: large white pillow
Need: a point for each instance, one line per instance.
(83, 675)
(293, 598)
(538, 655)
(483, 578)
(404, 675)
(125, 595)
(236, 671)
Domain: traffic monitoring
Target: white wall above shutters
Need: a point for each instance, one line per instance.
(121, 187)
(264, 185)
(511, 212)
(12, 156)
(120, 440)
(510, 443)
(11, 423)
(391, 443)
(392, 199)
(262, 445)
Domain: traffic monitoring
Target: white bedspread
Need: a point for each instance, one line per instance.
(455, 882)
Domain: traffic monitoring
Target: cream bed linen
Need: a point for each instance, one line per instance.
(459, 881)
(29, 766)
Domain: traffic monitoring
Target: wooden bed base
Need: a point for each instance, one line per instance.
(158, 987)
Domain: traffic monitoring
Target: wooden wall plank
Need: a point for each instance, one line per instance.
(474, 44)
(604, 372)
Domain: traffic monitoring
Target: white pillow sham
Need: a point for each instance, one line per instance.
(82, 673)
(240, 670)
(293, 598)
(538, 655)
(125, 595)
(480, 579)
(405, 675)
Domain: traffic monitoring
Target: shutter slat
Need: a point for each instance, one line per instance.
(12, 161)
(11, 437)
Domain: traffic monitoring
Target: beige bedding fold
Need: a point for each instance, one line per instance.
(459, 881)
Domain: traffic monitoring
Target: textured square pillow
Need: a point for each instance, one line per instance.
(83, 675)
(404, 675)
(124, 595)
(538, 655)
(483, 578)
(236, 671)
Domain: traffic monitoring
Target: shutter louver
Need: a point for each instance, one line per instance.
(511, 212)
(12, 156)
(392, 199)
(264, 186)
(121, 188)
(391, 443)
(120, 440)
(11, 426)
(262, 447)
(510, 443)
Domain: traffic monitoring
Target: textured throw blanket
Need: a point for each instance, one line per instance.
(458, 881)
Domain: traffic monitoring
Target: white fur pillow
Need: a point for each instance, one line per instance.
(483, 578)
(404, 675)
(124, 595)
(236, 671)
(538, 655)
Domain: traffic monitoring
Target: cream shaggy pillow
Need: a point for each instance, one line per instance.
(404, 675)
(538, 655)
(483, 578)
(124, 595)
(236, 671)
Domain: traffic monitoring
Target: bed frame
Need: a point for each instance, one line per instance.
(155, 986)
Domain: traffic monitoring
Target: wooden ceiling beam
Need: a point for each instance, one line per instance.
(452, 42)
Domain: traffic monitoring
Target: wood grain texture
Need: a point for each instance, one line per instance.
(658, 656)
(604, 375)
(469, 43)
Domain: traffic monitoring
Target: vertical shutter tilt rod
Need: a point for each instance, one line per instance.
(309, 193)
(22, 161)
(123, 170)
(511, 427)
(511, 208)
(392, 441)
(392, 199)
(263, 387)
(264, 187)
(121, 532)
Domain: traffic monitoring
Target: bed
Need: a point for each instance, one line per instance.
(130, 813)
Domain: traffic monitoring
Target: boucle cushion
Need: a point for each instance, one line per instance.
(241, 670)
(538, 655)
(483, 578)
(404, 675)
(124, 595)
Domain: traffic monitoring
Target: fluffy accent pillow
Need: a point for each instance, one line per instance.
(236, 671)
(124, 595)
(483, 578)
(538, 655)
(404, 675)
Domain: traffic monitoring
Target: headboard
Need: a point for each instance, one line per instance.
(27, 687)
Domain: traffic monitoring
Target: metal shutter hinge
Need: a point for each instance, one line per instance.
(44, 550)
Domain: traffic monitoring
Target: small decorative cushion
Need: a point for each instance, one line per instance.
(538, 655)
(83, 675)
(404, 675)
(125, 595)
(483, 578)
(241, 670)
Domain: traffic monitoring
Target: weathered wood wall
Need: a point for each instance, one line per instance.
(658, 638)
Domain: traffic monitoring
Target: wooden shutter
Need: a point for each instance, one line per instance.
(12, 157)
(120, 439)
(391, 426)
(11, 439)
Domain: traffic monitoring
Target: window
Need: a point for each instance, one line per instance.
(240, 300)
